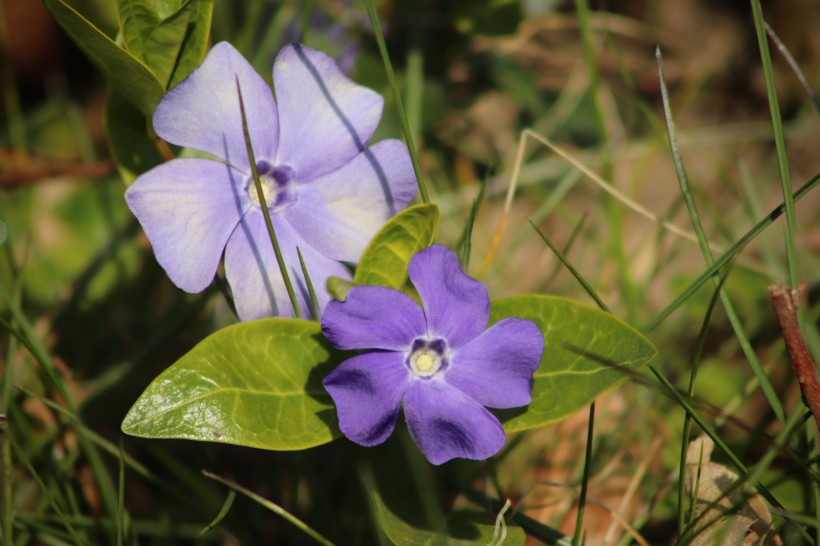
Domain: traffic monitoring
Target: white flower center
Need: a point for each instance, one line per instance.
(267, 183)
(427, 357)
(278, 186)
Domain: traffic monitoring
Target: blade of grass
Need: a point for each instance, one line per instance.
(226, 507)
(794, 66)
(314, 303)
(694, 363)
(734, 320)
(391, 80)
(780, 143)
(567, 247)
(581, 280)
(727, 256)
(582, 499)
(265, 212)
(41, 355)
(466, 239)
(276, 509)
(121, 499)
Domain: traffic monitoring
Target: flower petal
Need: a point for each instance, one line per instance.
(373, 317)
(188, 209)
(446, 423)
(340, 212)
(325, 119)
(367, 390)
(495, 369)
(256, 283)
(457, 307)
(202, 111)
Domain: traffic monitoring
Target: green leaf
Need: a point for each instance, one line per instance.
(255, 384)
(384, 261)
(195, 43)
(153, 37)
(464, 528)
(127, 130)
(338, 287)
(124, 71)
(586, 352)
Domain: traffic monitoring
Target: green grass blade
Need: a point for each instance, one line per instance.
(582, 499)
(265, 212)
(734, 320)
(226, 507)
(391, 79)
(275, 508)
(727, 256)
(314, 302)
(779, 141)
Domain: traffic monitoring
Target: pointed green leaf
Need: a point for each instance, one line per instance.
(195, 43)
(586, 352)
(133, 151)
(464, 528)
(153, 37)
(124, 71)
(255, 384)
(384, 261)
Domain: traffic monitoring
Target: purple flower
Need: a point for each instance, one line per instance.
(438, 361)
(327, 193)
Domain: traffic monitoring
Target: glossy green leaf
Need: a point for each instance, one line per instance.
(195, 43)
(464, 528)
(255, 384)
(152, 36)
(133, 151)
(124, 71)
(586, 352)
(384, 261)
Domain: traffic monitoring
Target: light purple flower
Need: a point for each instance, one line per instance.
(327, 193)
(438, 361)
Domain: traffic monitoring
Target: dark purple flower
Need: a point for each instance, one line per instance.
(327, 193)
(438, 361)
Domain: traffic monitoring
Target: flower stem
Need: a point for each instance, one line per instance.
(265, 212)
(391, 79)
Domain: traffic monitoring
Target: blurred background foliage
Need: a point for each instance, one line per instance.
(81, 277)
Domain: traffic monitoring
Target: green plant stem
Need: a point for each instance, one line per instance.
(727, 256)
(264, 206)
(582, 499)
(779, 141)
(734, 320)
(391, 79)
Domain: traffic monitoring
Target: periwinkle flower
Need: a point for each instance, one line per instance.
(438, 361)
(327, 192)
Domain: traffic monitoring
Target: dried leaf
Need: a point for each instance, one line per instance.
(734, 518)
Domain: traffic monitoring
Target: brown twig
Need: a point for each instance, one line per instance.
(786, 301)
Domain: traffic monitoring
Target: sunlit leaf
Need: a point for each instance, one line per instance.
(152, 36)
(384, 261)
(255, 384)
(586, 352)
(127, 130)
(195, 43)
(122, 70)
(464, 528)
